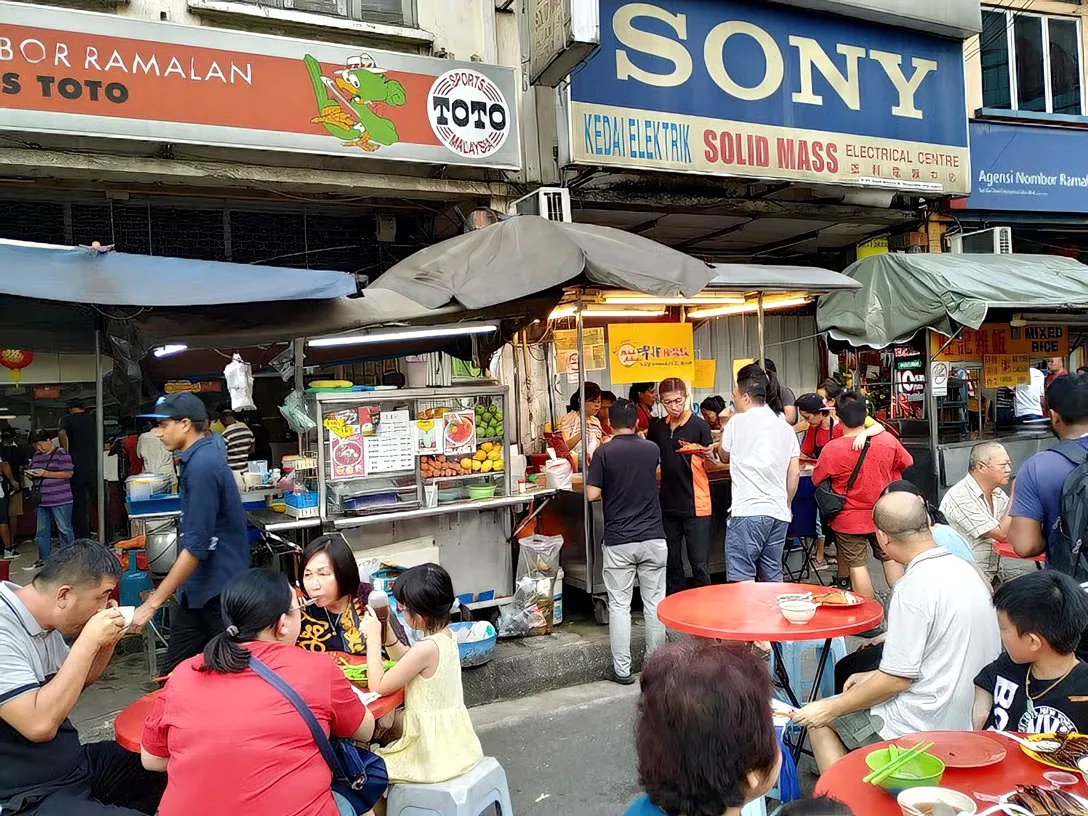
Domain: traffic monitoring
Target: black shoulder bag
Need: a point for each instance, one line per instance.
(34, 496)
(832, 503)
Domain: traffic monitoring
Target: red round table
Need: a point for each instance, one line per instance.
(1005, 550)
(842, 781)
(128, 728)
(749, 611)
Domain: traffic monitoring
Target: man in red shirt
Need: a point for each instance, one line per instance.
(885, 461)
(1055, 367)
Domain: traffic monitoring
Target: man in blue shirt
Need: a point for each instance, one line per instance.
(1036, 498)
(213, 547)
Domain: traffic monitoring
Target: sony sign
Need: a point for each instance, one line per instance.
(738, 88)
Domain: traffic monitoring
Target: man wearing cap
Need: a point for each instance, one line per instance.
(213, 547)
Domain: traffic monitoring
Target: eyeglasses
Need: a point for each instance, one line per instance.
(677, 401)
(1000, 465)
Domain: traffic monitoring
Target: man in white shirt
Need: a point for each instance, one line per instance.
(942, 631)
(1028, 405)
(764, 466)
(154, 454)
(978, 509)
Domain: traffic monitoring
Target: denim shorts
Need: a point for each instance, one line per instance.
(858, 729)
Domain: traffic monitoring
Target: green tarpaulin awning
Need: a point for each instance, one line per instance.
(902, 293)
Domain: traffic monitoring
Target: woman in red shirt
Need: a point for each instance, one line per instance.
(644, 395)
(230, 741)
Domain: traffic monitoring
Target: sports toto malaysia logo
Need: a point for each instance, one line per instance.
(468, 113)
(629, 354)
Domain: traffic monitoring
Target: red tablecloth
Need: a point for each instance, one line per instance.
(128, 728)
(1004, 549)
(749, 611)
(842, 781)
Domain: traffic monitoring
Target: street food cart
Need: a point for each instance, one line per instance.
(946, 339)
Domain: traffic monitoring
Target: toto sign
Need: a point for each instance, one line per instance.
(468, 113)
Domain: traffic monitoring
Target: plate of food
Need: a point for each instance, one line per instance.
(690, 449)
(837, 597)
(1040, 801)
(1072, 749)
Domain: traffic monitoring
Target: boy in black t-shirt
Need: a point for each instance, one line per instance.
(1037, 686)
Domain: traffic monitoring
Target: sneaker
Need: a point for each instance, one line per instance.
(36, 565)
(622, 679)
(10, 554)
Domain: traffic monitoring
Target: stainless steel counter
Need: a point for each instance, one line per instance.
(443, 509)
(269, 521)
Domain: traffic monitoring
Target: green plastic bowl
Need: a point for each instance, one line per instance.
(923, 771)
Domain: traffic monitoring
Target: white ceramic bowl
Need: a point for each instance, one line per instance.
(797, 611)
(962, 803)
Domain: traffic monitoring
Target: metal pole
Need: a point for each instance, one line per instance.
(299, 347)
(100, 435)
(583, 459)
(759, 328)
(931, 413)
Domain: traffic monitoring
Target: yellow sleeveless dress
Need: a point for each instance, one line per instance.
(439, 742)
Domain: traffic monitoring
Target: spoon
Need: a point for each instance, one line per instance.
(1039, 746)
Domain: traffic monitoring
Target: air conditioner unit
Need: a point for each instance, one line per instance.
(994, 241)
(552, 203)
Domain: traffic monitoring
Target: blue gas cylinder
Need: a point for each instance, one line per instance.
(134, 582)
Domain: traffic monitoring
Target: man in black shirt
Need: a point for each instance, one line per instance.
(685, 487)
(78, 436)
(624, 474)
(1037, 686)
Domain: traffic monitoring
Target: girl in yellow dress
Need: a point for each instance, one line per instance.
(437, 741)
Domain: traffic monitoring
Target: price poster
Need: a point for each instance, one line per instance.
(393, 448)
(429, 435)
(1005, 370)
(566, 350)
(460, 433)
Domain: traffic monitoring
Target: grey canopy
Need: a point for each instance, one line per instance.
(902, 293)
(528, 254)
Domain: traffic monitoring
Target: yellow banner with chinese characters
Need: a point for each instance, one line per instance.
(1002, 339)
(704, 373)
(1005, 370)
(650, 352)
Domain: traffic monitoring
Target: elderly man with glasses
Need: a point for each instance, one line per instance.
(978, 509)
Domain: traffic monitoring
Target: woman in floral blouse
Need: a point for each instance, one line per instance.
(330, 577)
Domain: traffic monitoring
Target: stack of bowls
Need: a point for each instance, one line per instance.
(797, 608)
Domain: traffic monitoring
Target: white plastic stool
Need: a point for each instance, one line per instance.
(467, 795)
(792, 656)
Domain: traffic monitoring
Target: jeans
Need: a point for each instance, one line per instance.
(621, 562)
(62, 515)
(753, 548)
(694, 531)
(190, 631)
(343, 805)
(119, 786)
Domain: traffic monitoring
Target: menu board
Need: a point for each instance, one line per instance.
(566, 350)
(460, 433)
(346, 455)
(1005, 370)
(393, 448)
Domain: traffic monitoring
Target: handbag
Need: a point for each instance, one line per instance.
(34, 496)
(358, 775)
(832, 503)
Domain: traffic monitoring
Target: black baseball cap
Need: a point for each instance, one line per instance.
(185, 405)
(810, 403)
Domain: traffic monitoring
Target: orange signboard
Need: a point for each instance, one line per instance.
(1036, 342)
(76, 72)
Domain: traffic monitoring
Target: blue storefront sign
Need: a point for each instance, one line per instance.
(1027, 168)
(768, 91)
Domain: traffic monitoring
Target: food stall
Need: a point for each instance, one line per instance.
(649, 352)
(946, 340)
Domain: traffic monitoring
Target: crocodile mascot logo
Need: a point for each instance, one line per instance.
(351, 101)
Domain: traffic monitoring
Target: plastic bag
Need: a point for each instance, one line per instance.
(531, 611)
(538, 556)
(294, 411)
(239, 375)
(284, 363)
(558, 474)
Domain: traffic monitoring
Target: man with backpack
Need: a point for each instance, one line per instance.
(1050, 494)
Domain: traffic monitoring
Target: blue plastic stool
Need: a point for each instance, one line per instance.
(789, 786)
(793, 653)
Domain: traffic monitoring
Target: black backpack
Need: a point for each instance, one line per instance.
(1072, 529)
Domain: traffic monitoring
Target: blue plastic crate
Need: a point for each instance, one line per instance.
(307, 499)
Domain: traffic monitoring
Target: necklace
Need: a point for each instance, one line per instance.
(1030, 708)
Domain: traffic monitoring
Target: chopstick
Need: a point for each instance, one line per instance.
(879, 775)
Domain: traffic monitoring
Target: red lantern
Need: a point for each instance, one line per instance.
(16, 360)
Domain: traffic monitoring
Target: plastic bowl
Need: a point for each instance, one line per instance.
(481, 491)
(963, 804)
(797, 611)
(924, 771)
(475, 652)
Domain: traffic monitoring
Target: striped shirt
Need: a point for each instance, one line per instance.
(967, 511)
(55, 492)
(239, 439)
